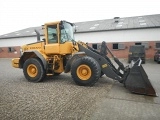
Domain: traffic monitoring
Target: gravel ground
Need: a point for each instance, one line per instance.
(54, 98)
(59, 98)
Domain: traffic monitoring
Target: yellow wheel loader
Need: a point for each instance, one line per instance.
(59, 52)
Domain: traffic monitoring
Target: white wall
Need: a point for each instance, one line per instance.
(17, 41)
(97, 37)
(152, 34)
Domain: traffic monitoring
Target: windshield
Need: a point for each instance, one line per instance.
(67, 33)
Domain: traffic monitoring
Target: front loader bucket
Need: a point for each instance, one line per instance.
(138, 82)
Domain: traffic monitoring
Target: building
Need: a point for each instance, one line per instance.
(119, 33)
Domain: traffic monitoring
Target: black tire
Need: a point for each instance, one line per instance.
(33, 70)
(91, 68)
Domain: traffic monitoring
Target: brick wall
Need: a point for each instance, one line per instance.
(9, 52)
(123, 53)
(4, 52)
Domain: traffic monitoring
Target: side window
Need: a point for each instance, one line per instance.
(52, 34)
(64, 36)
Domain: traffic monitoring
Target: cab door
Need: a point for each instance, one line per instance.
(52, 42)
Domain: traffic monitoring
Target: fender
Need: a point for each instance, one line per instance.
(72, 59)
(30, 54)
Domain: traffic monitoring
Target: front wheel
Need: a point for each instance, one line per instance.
(33, 70)
(85, 71)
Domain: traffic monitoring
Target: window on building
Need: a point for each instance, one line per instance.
(138, 43)
(157, 45)
(143, 43)
(95, 46)
(11, 49)
(118, 46)
(115, 46)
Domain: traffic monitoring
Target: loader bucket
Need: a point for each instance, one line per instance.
(138, 82)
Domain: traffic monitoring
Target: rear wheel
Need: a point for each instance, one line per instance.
(33, 70)
(85, 71)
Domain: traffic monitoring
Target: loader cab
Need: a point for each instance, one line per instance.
(59, 36)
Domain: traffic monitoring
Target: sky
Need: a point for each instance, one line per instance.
(20, 14)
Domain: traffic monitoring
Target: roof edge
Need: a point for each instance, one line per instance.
(118, 29)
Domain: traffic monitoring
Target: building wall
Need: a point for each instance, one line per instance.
(17, 41)
(150, 51)
(152, 34)
(127, 37)
(120, 53)
(5, 53)
(14, 43)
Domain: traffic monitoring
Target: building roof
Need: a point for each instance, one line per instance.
(117, 23)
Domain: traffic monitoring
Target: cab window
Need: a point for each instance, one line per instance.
(52, 34)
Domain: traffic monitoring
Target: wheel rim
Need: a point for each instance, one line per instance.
(84, 72)
(32, 70)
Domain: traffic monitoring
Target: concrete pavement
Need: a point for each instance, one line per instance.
(59, 98)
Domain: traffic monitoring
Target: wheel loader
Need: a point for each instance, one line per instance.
(58, 52)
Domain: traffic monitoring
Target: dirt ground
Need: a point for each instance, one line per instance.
(59, 98)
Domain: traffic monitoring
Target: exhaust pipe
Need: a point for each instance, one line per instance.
(38, 35)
